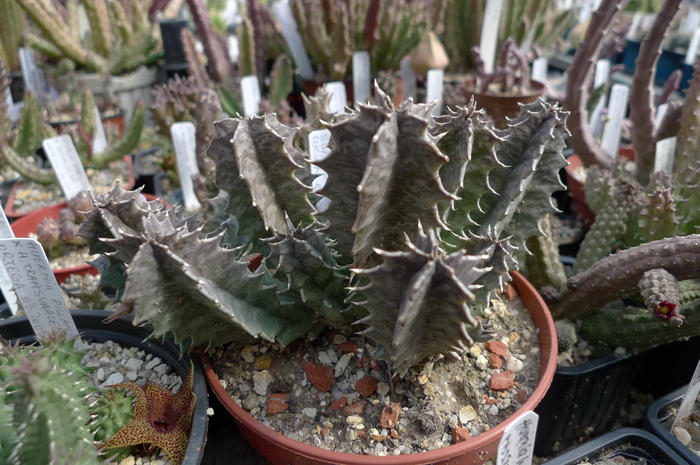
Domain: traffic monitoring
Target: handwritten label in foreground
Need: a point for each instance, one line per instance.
(518, 441)
(66, 163)
(5, 283)
(35, 284)
(183, 135)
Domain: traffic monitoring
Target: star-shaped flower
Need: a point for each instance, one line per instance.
(160, 418)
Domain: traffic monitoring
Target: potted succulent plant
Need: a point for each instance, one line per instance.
(63, 385)
(415, 213)
(121, 45)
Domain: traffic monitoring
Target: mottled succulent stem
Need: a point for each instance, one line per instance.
(543, 266)
(219, 64)
(688, 136)
(618, 275)
(662, 294)
(642, 109)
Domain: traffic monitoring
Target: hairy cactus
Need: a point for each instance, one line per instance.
(662, 294)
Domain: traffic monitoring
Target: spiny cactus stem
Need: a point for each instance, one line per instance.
(618, 275)
(642, 94)
(580, 75)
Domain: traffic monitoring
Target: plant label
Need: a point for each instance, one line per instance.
(634, 26)
(66, 163)
(689, 398)
(318, 150)
(361, 86)
(665, 154)
(34, 77)
(693, 47)
(691, 21)
(408, 79)
(13, 109)
(616, 112)
(602, 73)
(99, 142)
(489, 33)
(539, 70)
(284, 15)
(660, 114)
(434, 84)
(584, 13)
(250, 88)
(338, 97)
(36, 287)
(5, 282)
(518, 441)
(183, 135)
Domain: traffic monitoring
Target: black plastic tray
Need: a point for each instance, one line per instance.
(657, 413)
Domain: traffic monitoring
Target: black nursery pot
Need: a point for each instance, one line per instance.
(92, 328)
(170, 31)
(630, 443)
(658, 413)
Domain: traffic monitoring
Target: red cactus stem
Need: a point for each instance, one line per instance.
(671, 85)
(642, 109)
(217, 57)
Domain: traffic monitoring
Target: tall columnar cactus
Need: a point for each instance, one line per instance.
(389, 218)
(13, 25)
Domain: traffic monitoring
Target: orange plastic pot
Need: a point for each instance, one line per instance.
(281, 450)
(28, 224)
(10, 211)
(498, 107)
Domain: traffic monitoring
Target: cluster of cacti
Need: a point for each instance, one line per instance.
(120, 41)
(53, 234)
(13, 25)
(44, 407)
(431, 216)
(388, 29)
(33, 130)
(511, 72)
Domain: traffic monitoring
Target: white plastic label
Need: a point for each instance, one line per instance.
(660, 114)
(318, 150)
(99, 141)
(602, 73)
(284, 15)
(691, 21)
(338, 98)
(408, 79)
(250, 88)
(689, 398)
(66, 163)
(433, 93)
(665, 154)
(5, 283)
(184, 141)
(693, 48)
(34, 77)
(539, 70)
(361, 77)
(619, 95)
(36, 287)
(518, 441)
(634, 27)
(489, 33)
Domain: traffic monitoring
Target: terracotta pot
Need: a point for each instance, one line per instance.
(577, 189)
(10, 211)
(28, 224)
(114, 122)
(499, 107)
(281, 450)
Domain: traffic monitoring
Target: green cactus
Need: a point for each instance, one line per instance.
(543, 266)
(386, 190)
(13, 25)
(246, 41)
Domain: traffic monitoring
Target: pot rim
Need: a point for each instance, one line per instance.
(548, 363)
(537, 91)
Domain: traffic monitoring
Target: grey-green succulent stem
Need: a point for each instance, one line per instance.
(43, 46)
(127, 144)
(543, 265)
(99, 25)
(618, 275)
(27, 168)
(688, 139)
(690, 290)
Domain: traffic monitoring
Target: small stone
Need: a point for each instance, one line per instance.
(378, 437)
(367, 363)
(325, 431)
(324, 358)
(475, 351)
(497, 347)
(502, 381)
(339, 339)
(390, 415)
(362, 435)
(309, 412)
(481, 362)
(347, 347)
(263, 362)
(694, 431)
(467, 414)
(340, 403)
(394, 434)
(114, 378)
(355, 409)
(493, 410)
(320, 376)
(496, 362)
(250, 402)
(276, 406)
(161, 369)
(260, 382)
(128, 461)
(132, 375)
(514, 364)
(152, 364)
(366, 386)
(423, 379)
(101, 374)
(527, 335)
(342, 365)
(460, 434)
(247, 354)
(383, 389)
(521, 396)
(509, 292)
(282, 396)
(354, 420)
(682, 435)
(134, 364)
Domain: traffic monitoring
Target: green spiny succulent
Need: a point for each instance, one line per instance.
(388, 224)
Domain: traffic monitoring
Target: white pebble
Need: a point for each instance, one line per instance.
(114, 378)
(161, 369)
(132, 375)
(383, 389)
(134, 364)
(101, 374)
(128, 461)
(353, 420)
(247, 354)
(342, 365)
(493, 410)
(481, 362)
(260, 382)
(153, 363)
(309, 412)
(324, 358)
(513, 364)
(682, 434)
(526, 334)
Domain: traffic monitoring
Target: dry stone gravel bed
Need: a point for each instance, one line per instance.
(336, 393)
